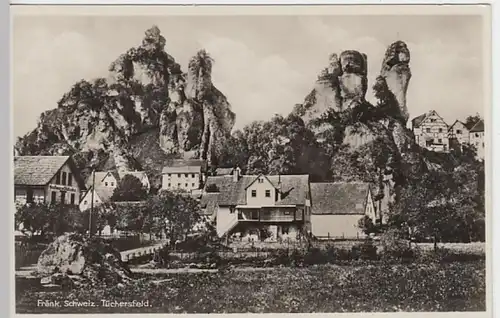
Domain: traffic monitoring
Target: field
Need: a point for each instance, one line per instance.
(458, 286)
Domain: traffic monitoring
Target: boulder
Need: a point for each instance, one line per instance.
(74, 260)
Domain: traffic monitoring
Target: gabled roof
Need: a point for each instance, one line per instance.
(457, 122)
(417, 120)
(208, 202)
(478, 127)
(99, 178)
(39, 170)
(294, 188)
(138, 174)
(257, 178)
(104, 193)
(223, 171)
(339, 197)
(184, 166)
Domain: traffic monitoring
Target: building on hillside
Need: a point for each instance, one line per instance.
(103, 179)
(337, 208)
(458, 134)
(49, 179)
(141, 175)
(187, 175)
(101, 195)
(431, 132)
(476, 137)
(264, 207)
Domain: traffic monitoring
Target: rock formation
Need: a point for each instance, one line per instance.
(76, 261)
(144, 91)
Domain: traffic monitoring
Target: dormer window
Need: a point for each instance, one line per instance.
(254, 193)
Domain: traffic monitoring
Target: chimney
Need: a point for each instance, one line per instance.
(236, 174)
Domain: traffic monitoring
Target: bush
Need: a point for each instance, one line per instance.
(364, 251)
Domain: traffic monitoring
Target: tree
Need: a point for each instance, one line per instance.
(177, 213)
(129, 188)
(472, 120)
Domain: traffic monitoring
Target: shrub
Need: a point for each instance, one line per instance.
(365, 251)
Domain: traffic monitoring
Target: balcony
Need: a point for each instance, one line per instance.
(270, 214)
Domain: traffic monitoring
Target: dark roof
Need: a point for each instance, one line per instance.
(223, 171)
(418, 120)
(479, 126)
(37, 170)
(339, 197)
(294, 188)
(208, 202)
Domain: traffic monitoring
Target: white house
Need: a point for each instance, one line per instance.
(266, 207)
(187, 175)
(476, 137)
(101, 195)
(50, 179)
(431, 132)
(105, 179)
(337, 208)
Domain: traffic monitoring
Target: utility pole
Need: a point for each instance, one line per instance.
(92, 202)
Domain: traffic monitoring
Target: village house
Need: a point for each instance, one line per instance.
(49, 179)
(101, 195)
(431, 132)
(476, 137)
(458, 134)
(337, 207)
(264, 207)
(187, 175)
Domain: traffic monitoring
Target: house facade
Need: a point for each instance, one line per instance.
(337, 208)
(101, 195)
(49, 179)
(431, 132)
(263, 207)
(476, 137)
(186, 175)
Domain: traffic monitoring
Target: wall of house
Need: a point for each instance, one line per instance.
(337, 226)
(260, 187)
(85, 202)
(432, 134)
(109, 182)
(226, 219)
(477, 140)
(184, 181)
(460, 133)
(65, 185)
(21, 194)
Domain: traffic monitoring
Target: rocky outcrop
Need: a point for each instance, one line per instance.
(76, 261)
(145, 89)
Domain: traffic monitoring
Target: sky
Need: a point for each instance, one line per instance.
(263, 64)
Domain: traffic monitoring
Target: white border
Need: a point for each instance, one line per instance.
(6, 129)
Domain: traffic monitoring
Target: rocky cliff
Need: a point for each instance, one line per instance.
(337, 106)
(145, 94)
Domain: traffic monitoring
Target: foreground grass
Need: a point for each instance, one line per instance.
(456, 286)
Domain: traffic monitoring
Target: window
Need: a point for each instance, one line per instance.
(53, 196)
(433, 120)
(112, 184)
(284, 230)
(427, 130)
(440, 130)
(428, 143)
(186, 185)
(106, 184)
(178, 175)
(261, 180)
(169, 175)
(483, 144)
(58, 177)
(85, 202)
(193, 176)
(192, 184)
(231, 209)
(63, 197)
(70, 178)
(29, 195)
(440, 141)
(63, 178)
(254, 193)
(72, 199)
(186, 175)
(477, 135)
(459, 132)
(169, 185)
(179, 185)
(268, 193)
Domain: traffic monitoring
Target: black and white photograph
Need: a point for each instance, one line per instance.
(246, 159)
